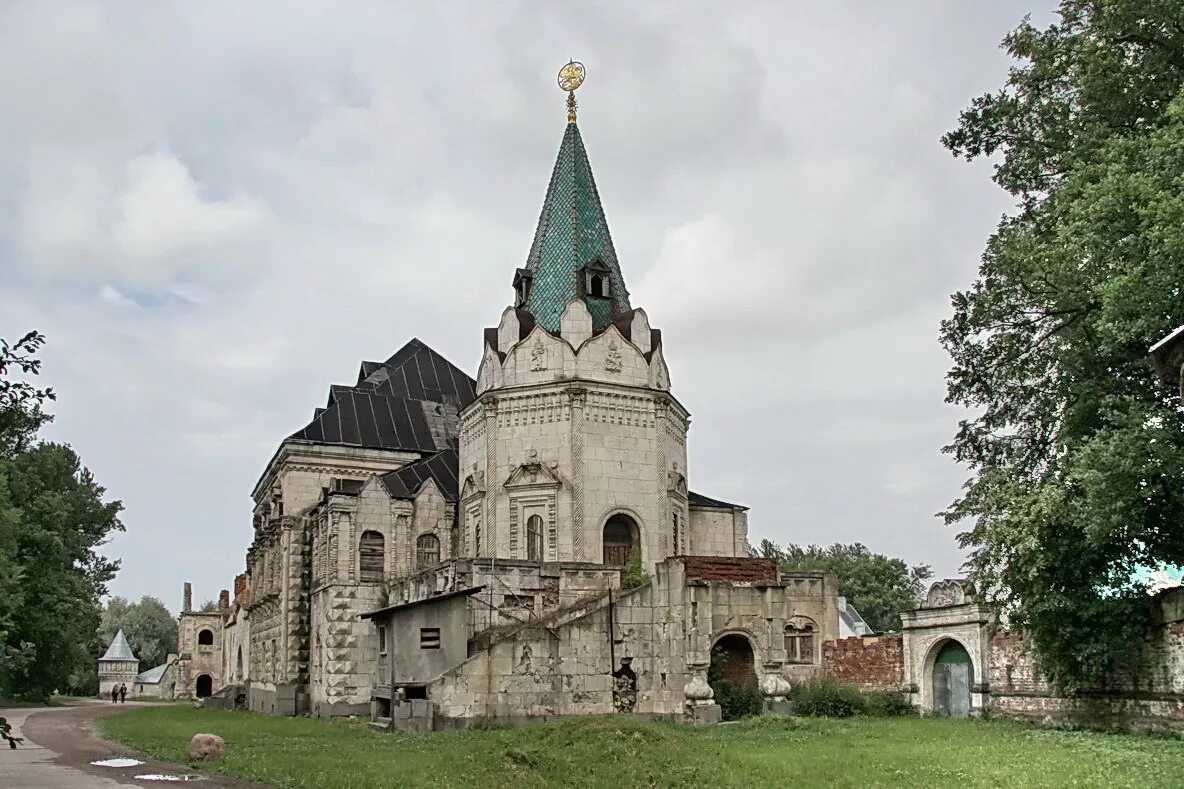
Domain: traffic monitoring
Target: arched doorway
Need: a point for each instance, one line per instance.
(952, 677)
(732, 675)
(621, 536)
(205, 686)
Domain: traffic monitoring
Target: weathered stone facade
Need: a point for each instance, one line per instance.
(200, 635)
(554, 652)
(512, 505)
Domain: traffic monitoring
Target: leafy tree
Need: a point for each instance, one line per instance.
(209, 607)
(52, 518)
(1076, 455)
(879, 586)
(150, 629)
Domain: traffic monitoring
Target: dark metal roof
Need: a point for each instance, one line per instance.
(417, 372)
(390, 609)
(409, 402)
(364, 418)
(405, 482)
(699, 500)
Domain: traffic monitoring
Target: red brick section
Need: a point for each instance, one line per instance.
(872, 662)
(734, 569)
(242, 594)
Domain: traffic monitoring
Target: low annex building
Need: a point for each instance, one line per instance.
(432, 547)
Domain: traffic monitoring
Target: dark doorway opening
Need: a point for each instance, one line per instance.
(620, 538)
(732, 675)
(952, 672)
(205, 686)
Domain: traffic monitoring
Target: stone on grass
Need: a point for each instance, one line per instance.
(206, 746)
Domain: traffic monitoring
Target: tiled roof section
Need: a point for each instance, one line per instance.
(405, 482)
(572, 233)
(412, 401)
(119, 649)
(699, 500)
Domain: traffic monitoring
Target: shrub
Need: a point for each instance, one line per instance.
(886, 703)
(827, 699)
(821, 697)
(634, 574)
(737, 702)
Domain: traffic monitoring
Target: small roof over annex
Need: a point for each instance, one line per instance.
(699, 500)
(405, 482)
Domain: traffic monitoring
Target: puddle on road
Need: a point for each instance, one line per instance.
(168, 777)
(120, 762)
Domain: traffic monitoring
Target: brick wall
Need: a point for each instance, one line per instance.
(736, 569)
(872, 662)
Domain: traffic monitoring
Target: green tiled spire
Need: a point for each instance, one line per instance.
(571, 235)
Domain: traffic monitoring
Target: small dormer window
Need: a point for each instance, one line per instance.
(597, 284)
(522, 279)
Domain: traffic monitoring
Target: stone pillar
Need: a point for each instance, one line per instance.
(666, 547)
(578, 399)
(187, 598)
(489, 526)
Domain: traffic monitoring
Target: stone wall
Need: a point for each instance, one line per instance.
(1151, 699)
(871, 662)
(559, 661)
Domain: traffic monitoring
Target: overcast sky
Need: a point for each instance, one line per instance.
(215, 211)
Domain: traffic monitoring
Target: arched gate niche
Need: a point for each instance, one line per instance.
(205, 686)
(953, 673)
(732, 675)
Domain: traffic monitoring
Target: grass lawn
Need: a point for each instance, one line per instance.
(621, 752)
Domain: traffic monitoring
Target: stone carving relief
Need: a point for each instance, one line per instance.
(945, 593)
(538, 355)
(612, 359)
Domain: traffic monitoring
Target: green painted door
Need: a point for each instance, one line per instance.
(952, 672)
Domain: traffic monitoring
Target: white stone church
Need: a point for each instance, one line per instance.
(431, 549)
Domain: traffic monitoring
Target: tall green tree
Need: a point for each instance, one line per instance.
(879, 586)
(1076, 454)
(150, 629)
(52, 520)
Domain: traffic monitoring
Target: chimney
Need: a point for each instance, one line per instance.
(187, 600)
(224, 600)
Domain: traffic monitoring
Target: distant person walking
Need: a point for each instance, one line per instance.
(114, 694)
(123, 693)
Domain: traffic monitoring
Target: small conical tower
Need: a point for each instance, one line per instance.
(574, 449)
(118, 666)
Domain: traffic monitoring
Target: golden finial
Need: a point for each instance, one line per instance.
(571, 77)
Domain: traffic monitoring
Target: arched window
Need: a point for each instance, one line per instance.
(799, 640)
(238, 665)
(620, 538)
(596, 285)
(205, 638)
(534, 538)
(370, 560)
(427, 550)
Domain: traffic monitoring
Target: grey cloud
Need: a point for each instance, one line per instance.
(215, 212)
